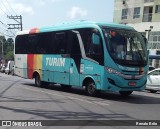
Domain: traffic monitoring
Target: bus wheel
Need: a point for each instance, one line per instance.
(125, 93)
(153, 91)
(38, 81)
(91, 89)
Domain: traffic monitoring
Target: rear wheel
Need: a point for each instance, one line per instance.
(91, 89)
(38, 81)
(125, 93)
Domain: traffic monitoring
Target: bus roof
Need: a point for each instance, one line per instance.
(74, 25)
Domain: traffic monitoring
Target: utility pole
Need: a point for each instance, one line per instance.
(148, 32)
(18, 19)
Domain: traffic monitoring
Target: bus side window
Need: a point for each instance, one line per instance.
(32, 43)
(75, 49)
(21, 44)
(92, 50)
(44, 43)
(60, 43)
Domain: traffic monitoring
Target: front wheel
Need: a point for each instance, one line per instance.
(153, 91)
(91, 89)
(125, 93)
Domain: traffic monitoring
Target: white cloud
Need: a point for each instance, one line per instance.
(45, 2)
(55, 0)
(21, 8)
(77, 12)
(39, 2)
(18, 7)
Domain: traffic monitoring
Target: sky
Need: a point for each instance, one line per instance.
(42, 13)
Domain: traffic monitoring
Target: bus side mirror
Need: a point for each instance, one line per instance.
(95, 39)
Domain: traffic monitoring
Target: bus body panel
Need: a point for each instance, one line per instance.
(91, 70)
(56, 69)
(34, 63)
(74, 74)
(117, 83)
(21, 65)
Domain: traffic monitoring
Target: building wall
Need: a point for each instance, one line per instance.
(156, 16)
(131, 4)
(149, 27)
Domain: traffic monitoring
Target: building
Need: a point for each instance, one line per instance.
(144, 16)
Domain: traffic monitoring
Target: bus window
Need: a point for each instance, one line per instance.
(75, 51)
(21, 44)
(44, 43)
(92, 50)
(125, 47)
(60, 43)
(118, 45)
(32, 43)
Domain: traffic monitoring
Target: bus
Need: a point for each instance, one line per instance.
(96, 56)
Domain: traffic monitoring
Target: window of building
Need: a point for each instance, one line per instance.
(136, 12)
(147, 13)
(157, 9)
(124, 13)
(154, 39)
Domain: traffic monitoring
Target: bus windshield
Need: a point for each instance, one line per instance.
(126, 47)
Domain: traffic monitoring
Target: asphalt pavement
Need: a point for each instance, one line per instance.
(21, 100)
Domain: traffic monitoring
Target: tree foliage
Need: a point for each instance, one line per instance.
(8, 48)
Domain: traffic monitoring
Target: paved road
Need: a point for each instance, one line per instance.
(21, 100)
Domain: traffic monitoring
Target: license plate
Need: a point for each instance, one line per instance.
(132, 83)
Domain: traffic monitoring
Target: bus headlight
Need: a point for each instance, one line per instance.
(111, 70)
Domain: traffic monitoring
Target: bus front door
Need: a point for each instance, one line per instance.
(74, 73)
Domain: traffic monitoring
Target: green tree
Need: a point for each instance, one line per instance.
(8, 47)
(2, 40)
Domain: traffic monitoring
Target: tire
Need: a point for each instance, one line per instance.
(91, 89)
(153, 91)
(40, 83)
(125, 93)
(12, 73)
